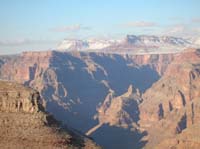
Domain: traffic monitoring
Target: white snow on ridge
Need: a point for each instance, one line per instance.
(100, 44)
(131, 44)
(82, 45)
(72, 44)
(197, 42)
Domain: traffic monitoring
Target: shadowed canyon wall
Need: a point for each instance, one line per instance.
(89, 92)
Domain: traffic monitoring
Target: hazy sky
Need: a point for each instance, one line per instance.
(42, 24)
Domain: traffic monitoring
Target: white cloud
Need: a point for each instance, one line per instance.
(182, 30)
(175, 29)
(71, 28)
(18, 42)
(140, 24)
(13, 42)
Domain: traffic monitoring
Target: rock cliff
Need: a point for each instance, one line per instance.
(76, 86)
(172, 102)
(121, 111)
(25, 124)
(74, 83)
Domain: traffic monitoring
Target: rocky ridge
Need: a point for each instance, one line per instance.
(25, 124)
(131, 44)
(121, 111)
(172, 103)
(117, 110)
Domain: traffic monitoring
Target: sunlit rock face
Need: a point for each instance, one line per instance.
(138, 96)
(25, 124)
(120, 111)
(16, 98)
(169, 103)
(75, 83)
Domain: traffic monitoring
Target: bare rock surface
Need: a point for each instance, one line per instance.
(25, 124)
(170, 108)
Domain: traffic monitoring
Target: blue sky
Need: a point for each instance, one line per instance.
(42, 24)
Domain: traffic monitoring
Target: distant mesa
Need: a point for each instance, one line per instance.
(85, 45)
(131, 44)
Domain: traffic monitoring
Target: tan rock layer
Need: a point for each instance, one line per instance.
(24, 123)
(170, 106)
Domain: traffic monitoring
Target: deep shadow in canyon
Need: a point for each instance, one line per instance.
(117, 138)
(75, 85)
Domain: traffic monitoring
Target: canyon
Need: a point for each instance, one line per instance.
(120, 100)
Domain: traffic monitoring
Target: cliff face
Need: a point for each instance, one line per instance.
(121, 111)
(73, 84)
(16, 98)
(189, 138)
(26, 67)
(30, 65)
(76, 86)
(1, 63)
(158, 62)
(118, 121)
(24, 123)
(172, 102)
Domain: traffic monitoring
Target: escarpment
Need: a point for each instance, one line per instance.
(163, 94)
(169, 103)
(121, 111)
(74, 83)
(25, 124)
(28, 66)
(16, 98)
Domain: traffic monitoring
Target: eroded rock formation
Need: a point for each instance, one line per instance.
(25, 124)
(78, 86)
(169, 103)
(120, 111)
(74, 83)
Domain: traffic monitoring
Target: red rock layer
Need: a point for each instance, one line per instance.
(169, 103)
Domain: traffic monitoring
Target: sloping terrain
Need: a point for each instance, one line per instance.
(25, 124)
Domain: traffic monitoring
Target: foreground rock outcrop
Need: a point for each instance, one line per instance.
(25, 124)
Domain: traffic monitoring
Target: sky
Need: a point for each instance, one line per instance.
(42, 24)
